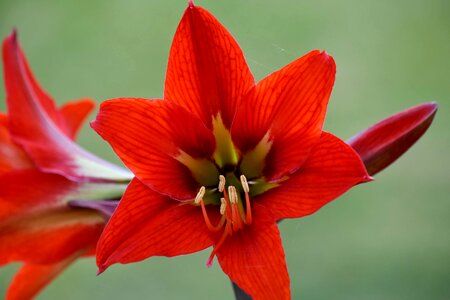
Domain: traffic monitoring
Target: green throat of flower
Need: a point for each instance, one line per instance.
(224, 184)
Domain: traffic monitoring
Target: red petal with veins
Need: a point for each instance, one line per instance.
(254, 259)
(50, 236)
(37, 126)
(207, 73)
(44, 99)
(148, 134)
(30, 190)
(31, 279)
(381, 145)
(160, 226)
(74, 113)
(11, 155)
(290, 104)
(332, 168)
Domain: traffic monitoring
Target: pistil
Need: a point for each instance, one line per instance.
(232, 213)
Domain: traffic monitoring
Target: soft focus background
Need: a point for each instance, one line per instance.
(385, 240)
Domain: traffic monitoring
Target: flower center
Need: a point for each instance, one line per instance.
(233, 217)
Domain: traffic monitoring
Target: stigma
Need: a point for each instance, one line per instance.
(233, 214)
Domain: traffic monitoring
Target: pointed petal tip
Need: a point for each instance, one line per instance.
(209, 263)
(14, 34)
(433, 105)
(191, 4)
(368, 178)
(11, 38)
(101, 269)
(92, 123)
(325, 55)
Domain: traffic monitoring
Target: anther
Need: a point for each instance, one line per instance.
(232, 194)
(245, 187)
(200, 195)
(221, 183)
(223, 206)
(245, 184)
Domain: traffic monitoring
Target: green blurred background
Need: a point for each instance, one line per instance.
(385, 240)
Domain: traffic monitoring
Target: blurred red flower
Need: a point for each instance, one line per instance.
(41, 170)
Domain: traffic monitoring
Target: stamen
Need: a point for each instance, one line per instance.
(221, 183)
(248, 217)
(231, 209)
(200, 195)
(208, 223)
(236, 218)
(223, 206)
(232, 194)
(245, 184)
(199, 200)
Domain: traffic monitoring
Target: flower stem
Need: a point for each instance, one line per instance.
(239, 294)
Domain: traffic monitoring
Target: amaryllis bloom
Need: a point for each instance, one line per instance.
(221, 159)
(41, 171)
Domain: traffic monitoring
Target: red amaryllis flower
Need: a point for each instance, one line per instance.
(220, 160)
(41, 170)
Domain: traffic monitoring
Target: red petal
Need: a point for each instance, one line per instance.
(74, 114)
(381, 144)
(290, 104)
(332, 168)
(11, 155)
(31, 279)
(35, 124)
(49, 237)
(254, 259)
(44, 99)
(148, 134)
(147, 224)
(207, 72)
(31, 190)
(3, 119)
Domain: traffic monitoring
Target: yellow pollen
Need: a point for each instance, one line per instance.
(221, 183)
(200, 195)
(223, 206)
(245, 184)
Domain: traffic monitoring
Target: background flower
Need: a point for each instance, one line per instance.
(41, 171)
(390, 56)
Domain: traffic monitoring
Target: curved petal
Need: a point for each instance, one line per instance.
(11, 155)
(207, 73)
(25, 191)
(31, 279)
(35, 124)
(147, 224)
(254, 259)
(290, 105)
(49, 237)
(42, 97)
(149, 135)
(31, 191)
(74, 113)
(383, 143)
(332, 168)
